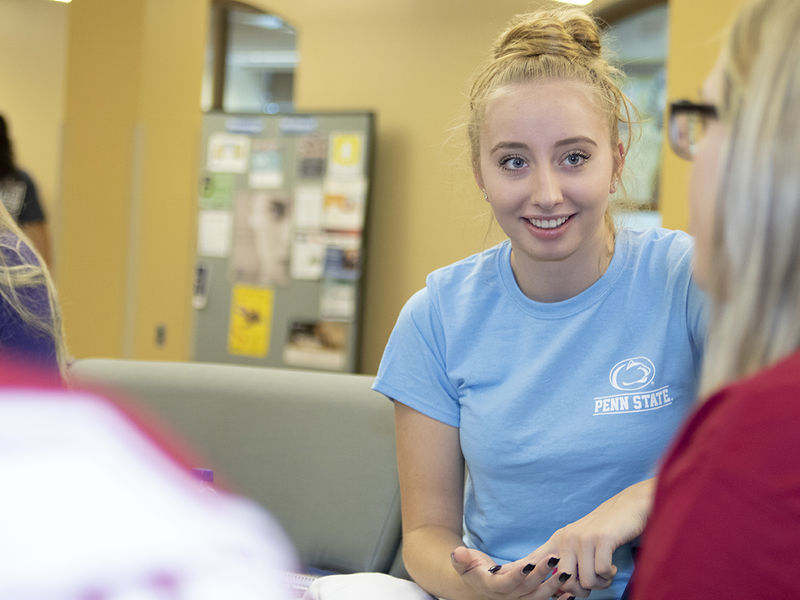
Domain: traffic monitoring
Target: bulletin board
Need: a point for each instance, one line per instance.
(282, 206)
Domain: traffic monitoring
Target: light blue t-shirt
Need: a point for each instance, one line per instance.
(559, 405)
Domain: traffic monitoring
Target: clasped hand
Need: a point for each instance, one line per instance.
(519, 579)
(576, 559)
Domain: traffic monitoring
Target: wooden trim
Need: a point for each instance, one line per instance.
(236, 5)
(219, 33)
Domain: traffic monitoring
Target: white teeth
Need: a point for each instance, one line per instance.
(548, 223)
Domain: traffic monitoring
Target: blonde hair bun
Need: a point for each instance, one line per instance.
(568, 33)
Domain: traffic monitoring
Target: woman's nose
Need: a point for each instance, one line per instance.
(546, 191)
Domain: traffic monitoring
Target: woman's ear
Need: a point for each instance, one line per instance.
(479, 180)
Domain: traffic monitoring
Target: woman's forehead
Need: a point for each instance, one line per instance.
(545, 105)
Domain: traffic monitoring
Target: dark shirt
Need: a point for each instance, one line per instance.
(20, 197)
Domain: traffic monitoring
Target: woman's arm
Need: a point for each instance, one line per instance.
(431, 469)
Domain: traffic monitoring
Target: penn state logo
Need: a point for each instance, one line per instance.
(632, 374)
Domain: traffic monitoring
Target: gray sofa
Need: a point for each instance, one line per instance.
(315, 448)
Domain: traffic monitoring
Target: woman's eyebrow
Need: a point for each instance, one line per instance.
(576, 140)
(509, 146)
(565, 142)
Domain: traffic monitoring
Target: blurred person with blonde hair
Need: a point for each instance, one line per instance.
(30, 317)
(726, 516)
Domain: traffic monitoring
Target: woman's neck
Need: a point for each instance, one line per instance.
(558, 280)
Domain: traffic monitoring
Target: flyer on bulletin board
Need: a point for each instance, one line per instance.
(261, 238)
(228, 153)
(216, 191)
(308, 255)
(214, 229)
(266, 164)
(317, 345)
(343, 204)
(312, 153)
(346, 154)
(250, 320)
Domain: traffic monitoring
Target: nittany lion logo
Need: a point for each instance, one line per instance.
(632, 374)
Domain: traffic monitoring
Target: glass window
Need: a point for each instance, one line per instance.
(639, 42)
(255, 73)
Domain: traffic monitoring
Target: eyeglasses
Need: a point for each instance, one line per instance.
(687, 123)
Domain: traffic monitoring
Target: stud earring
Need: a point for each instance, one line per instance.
(485, 196)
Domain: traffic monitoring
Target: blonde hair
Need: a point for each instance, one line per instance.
(18, 274)
(552, 43)
(755, 282)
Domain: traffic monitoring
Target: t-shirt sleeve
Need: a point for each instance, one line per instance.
(31, 211)
(413, 369)
(697, 319)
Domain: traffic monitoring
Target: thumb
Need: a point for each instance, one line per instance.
(465, 560)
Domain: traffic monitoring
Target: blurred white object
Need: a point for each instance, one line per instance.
(93, 508)
(365, 586)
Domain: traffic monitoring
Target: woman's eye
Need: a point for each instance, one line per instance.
(513, 163)
(575, 159)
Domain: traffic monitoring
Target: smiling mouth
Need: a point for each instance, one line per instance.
(549, 223)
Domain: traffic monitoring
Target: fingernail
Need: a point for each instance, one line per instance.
(563, 577)
(553, 562)
(571, 598)
(453, 556)
(495, 569)
(528, 568)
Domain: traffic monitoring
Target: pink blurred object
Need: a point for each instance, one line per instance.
(94, 507)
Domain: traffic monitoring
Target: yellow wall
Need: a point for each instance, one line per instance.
(695, 31)
(33, 37)
(130, 156)
(131, 147)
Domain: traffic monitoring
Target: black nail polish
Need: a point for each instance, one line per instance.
(563, 577)
(495, 569)
(553, 562)
(571, 598)
(528, 568)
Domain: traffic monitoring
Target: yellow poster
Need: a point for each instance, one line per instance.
(251, 316)
(346, 154)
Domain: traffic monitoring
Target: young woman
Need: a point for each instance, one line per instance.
(537, 383)
(726, 518)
